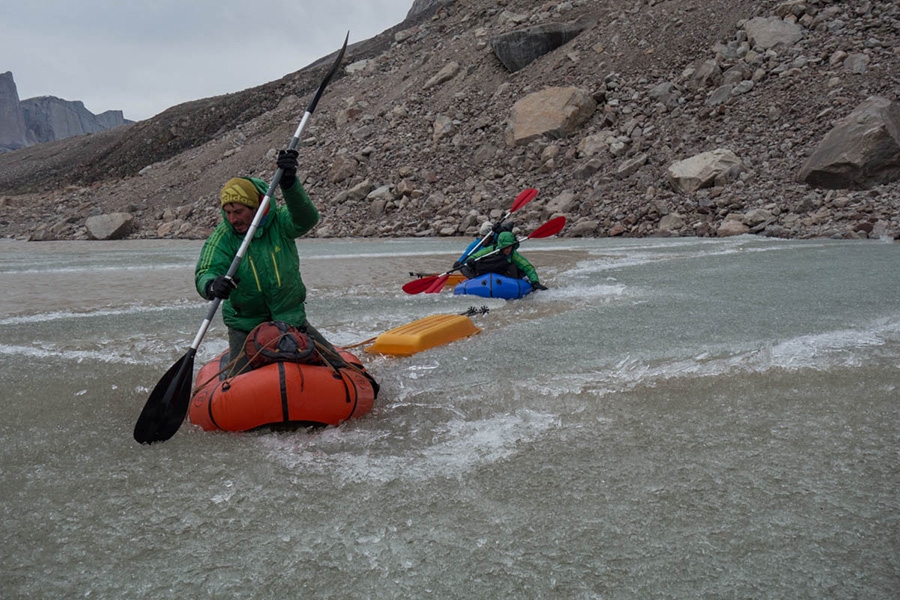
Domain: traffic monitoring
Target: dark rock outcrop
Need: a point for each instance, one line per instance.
(517, 49)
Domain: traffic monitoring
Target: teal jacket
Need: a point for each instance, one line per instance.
(269, 286)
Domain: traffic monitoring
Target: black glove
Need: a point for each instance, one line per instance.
(220, 287)
(457, 265)
(538, 286)
(287, 162)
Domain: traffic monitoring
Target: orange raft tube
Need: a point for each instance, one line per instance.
(279, 394)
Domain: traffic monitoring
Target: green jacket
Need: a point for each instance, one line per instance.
(506, 239)
(269, 286)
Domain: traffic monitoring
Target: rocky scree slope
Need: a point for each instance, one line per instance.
(412, 139)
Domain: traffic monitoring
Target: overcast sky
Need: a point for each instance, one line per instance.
(144, 56)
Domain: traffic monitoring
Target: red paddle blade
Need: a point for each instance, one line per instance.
(417, 286)
(551, 227)
(524, 197)
(438, 285)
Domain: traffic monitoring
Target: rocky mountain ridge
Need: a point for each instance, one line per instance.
(425, 132)
(42, 119)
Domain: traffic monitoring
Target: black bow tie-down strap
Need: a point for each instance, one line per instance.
(169, 401)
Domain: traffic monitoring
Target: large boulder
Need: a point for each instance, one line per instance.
(343, 168)
(702, 170)
(862, 150)
(765, 33)
(554, 112)
(732, 226)
(561, 204)
(517, 49)
(112, 226)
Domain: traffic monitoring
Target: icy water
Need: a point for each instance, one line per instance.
(674, 418)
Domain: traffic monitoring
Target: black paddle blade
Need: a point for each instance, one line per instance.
(334, 68)
(168, 403)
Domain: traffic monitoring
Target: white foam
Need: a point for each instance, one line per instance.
(692, 248)
(820, 351)
(106, 312)
(590, 292)
(460, 447)
(811, 350)
(93, 268)
(68, 355)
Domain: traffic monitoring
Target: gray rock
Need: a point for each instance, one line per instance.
(732, 227)
(343, 168)
(861, 150)
(666, 93)
(384, 193)
(671, 223)
(588, 169)
(631, 166)
(359, 191)
(561, 204)
(554, 112)
(700, 171)
(721, 95)
(442, 127)
(448, 72)
(765, 33)
(708, 74)
(756, 217)
(583, 228)
(112, 226)
(596, 143)
(857, 63)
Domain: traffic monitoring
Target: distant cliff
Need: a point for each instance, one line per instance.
(13, 133)
(50, 118)
(45, 118)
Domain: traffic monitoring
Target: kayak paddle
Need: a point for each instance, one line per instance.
(524, 197)
(433, 284)
(168, 403)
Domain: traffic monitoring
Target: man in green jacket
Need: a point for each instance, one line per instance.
(507, 261)
(267, 285)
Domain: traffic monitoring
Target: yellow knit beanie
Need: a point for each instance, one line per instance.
(240, 190)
